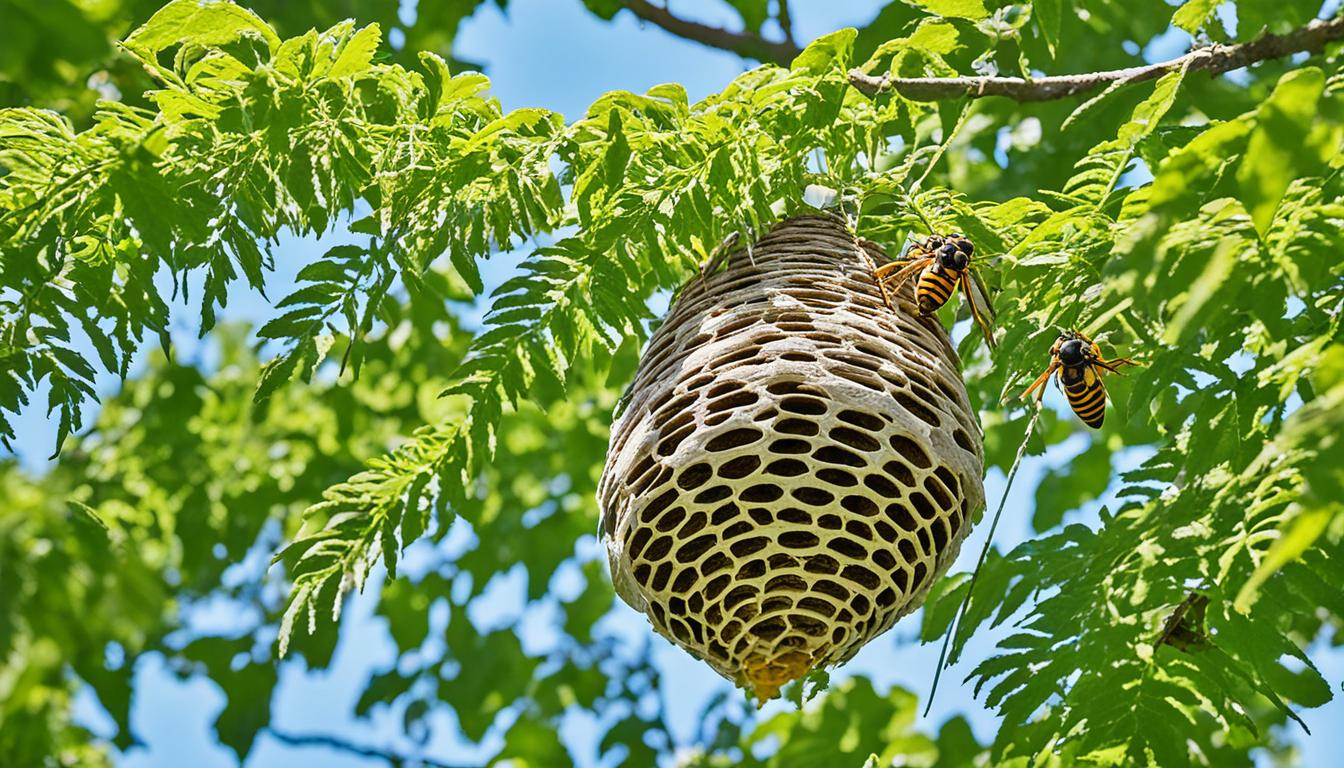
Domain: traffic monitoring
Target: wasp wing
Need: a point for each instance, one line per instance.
(977, 296)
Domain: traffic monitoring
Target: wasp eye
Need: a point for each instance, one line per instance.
(966, 246)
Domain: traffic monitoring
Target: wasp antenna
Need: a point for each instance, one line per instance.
(1114, 365)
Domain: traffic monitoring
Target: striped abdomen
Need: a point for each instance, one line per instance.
(934, 288)
(1083, 387)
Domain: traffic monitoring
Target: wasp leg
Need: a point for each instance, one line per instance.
(886, 294)
(904, 271)
(1040, 382)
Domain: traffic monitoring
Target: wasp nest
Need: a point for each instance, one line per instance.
(796, 462)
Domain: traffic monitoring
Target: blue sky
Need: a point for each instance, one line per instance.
(551, 53)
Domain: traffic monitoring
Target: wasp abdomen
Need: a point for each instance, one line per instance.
(1086, 395)
(934, 288)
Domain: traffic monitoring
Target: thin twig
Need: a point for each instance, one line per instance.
(1214, 59)
(984, 553)
(745, 43)
(341, 745)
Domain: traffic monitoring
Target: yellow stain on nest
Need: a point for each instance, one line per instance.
(767, 675)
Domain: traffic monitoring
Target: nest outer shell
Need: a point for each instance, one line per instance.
(796, 463)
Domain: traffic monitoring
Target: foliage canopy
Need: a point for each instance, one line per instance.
(1197, 222)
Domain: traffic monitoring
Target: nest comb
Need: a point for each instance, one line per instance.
(796, 462)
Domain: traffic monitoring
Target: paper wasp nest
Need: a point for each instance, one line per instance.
(795, 464)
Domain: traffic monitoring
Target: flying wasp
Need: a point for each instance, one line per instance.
(1080, 365)
(939, 266)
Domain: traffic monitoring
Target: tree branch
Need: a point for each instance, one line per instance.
(340, 745)
(748, 44)
(785, 19)
(1214, 59)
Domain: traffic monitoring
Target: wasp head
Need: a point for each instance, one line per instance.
(952, 257)
(1073, 352)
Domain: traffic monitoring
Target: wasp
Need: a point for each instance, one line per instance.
(940, 265)
(1080, 365)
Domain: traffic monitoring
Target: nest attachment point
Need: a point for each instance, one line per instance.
(796, 462)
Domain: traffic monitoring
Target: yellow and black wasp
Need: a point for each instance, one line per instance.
(940, 265)
(1080, 365)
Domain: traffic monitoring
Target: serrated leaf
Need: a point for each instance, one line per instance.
(1306, 527)
(826, 53)
(954, 9)
(1279, 150)
(203, 22)
(1202, 290)
(356, 53)
(1193, 13)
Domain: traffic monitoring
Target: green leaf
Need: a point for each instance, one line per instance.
(248, 707)
(1187, 171)
(531, 743)
(957, 745)
(356, 53)
(1081, 480)
(753, 12)
(1048, 14)
(89, 514)
(827, 53)
(618, 151)
(1192, 15)
(605, 9)
(1278, 16)
(1212, 280)
(941, 605)
(954, 9)
(1279, 150)
(276, 374)
(202, 22)
(1149, 112)
(935, 36)
(1306, 527)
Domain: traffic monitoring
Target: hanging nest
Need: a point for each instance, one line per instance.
(796, 463)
